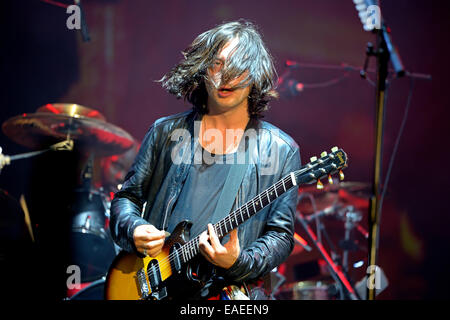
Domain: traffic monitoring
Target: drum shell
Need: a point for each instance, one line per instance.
(91, 245)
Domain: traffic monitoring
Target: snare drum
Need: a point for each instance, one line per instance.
(91, 245)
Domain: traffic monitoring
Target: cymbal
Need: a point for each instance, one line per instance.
(345, 193)
(74, 110)
(360, 189)
(318, 201)
(53, 123)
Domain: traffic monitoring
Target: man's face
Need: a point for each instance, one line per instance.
(224, 96)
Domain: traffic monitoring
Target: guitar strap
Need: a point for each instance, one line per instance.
(234, 179)
(215, 285)
(229, 191)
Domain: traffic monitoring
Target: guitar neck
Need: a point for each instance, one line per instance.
(190, 249)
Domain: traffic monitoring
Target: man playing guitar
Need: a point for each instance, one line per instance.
(228, 76)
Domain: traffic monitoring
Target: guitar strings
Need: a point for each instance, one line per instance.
(193, 243)
(191, 246)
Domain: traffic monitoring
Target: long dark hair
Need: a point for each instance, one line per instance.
(187, 78)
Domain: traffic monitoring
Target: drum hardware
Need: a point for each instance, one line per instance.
(340, 202)
(335, 271)
(351, 218)
(53, 123)
(66, 145)
(302, 242)
(333, 206)
(272, 283)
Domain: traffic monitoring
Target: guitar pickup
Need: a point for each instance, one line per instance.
(154, 275)
(175, 263)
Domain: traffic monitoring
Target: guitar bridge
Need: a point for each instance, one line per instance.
(141, 282)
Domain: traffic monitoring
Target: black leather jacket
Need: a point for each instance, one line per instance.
(156, 180)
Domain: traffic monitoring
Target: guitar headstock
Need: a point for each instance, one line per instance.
(325, 166)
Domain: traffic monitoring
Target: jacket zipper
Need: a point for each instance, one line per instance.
(167, 210)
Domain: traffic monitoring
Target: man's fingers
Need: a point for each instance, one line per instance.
(152, 248)
(148, 233)
(153, 244)
(234, 236)
(215, 242)
(154, 235)
(204, 244)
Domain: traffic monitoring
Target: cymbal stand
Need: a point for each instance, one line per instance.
(320, 228)
(351, 219)
(66, 145)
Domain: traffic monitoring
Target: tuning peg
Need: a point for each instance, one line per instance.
(319, 184)
(323, 154)
(334, 149)
(313, 159)
(330, 179)
(341, 175)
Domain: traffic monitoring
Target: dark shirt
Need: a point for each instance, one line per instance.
(201, 192)
(266, 240)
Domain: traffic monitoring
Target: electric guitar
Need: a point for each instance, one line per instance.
(131, 277)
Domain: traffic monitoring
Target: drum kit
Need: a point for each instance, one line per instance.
(68, 127)
(334, 246)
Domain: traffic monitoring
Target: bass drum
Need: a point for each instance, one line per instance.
(94, 291)
(91, 245)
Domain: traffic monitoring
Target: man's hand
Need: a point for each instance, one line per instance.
(148, 240)
(220, 255)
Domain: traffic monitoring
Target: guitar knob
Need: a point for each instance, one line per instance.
(313, 159)
(323, 154)
(334, 149)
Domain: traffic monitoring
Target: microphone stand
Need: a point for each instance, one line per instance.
(384, 53)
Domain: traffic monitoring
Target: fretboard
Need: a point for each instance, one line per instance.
(190, 249)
